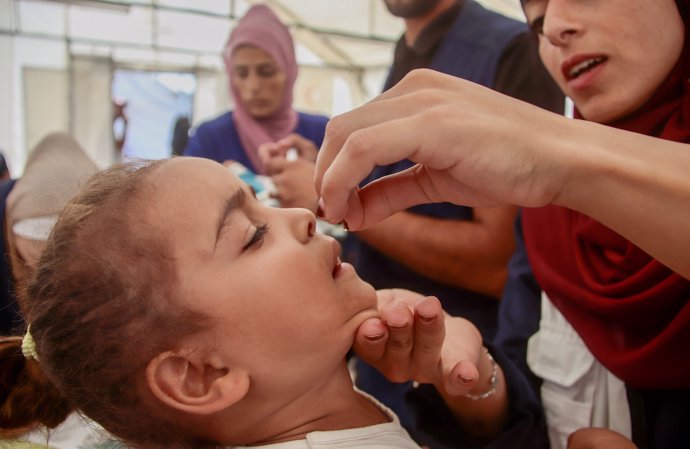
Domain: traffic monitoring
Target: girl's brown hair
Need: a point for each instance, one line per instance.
(101, 307)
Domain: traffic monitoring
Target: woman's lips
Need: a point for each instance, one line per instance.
(581, 70)
(577, 65)
(259, 103)
(584, 66)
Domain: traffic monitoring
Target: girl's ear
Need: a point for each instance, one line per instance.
(195, 386)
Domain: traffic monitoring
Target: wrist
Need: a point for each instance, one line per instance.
(585, 161)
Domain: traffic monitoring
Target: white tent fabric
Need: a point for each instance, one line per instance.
(58, 58)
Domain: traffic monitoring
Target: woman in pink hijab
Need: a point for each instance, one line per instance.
(260, 62)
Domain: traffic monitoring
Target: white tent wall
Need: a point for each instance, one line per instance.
(46, 100)
(343, 49)
(48, 107)
(91, 122)
(211, 96)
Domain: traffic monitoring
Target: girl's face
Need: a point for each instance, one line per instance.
(609, 56)
(258, 80)
(282, 303)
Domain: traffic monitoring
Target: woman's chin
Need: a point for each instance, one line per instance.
(605, 111)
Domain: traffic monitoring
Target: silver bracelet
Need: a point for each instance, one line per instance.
(493, 381)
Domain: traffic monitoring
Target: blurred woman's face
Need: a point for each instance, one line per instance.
(258, 80)
(609, 56)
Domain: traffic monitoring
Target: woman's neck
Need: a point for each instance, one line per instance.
(415, 25)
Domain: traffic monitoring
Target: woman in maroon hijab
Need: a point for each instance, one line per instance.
(609, 252)
(628, 69)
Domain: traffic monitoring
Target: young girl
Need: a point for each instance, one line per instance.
(176, 310)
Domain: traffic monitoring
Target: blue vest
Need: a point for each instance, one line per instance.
(218, 139)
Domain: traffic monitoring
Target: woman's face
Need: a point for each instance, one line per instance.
(258, 80)
(609, 56)
(280, 300)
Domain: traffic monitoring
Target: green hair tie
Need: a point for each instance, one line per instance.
(29, 345)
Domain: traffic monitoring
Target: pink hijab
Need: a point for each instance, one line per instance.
(261, 28)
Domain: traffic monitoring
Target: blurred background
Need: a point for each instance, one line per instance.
(119, 74)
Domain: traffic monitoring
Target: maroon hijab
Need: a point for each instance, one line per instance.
(632, 312)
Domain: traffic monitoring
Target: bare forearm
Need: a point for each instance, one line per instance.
(636, 185)
(468, 254)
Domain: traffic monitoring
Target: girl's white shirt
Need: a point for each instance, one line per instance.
(390, 435)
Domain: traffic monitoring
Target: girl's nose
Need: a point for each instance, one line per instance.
(302, 223)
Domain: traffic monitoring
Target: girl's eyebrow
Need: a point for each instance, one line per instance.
(231, 204)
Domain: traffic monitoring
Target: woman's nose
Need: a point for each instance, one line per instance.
(253, 81)
(559, 25)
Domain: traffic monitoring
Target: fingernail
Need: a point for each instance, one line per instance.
(464, 379)
(373, 338)
(396, 325)
(319, 209)
(426, 319)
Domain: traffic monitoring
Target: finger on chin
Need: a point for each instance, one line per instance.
(370, 340)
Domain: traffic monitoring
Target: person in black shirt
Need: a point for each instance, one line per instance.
(458, 254)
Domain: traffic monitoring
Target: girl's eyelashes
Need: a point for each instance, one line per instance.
(258, 237)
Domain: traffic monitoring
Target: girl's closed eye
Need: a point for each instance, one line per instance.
(257, 239)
